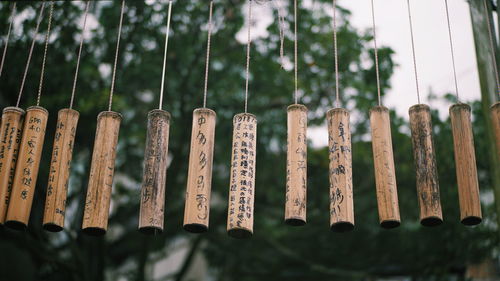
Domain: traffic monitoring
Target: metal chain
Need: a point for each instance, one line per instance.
(248, 53)
(116, 57)
(376, 54)
(39, 20)
(79, 55)
(413, 51)
(13, 13)
(207, 61)
(47, 37)
(452, 50)
(167, 33)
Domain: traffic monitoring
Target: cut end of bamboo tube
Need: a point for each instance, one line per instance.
(16, 225)
(151, 230)
(431, 221)
(419, 107)
(195, 228)
(240, 233)
(113, 114)
(295, 221)
(94, 231)
(471, 220)
(342, 226)
(389, 224)
(297, 106)
(331, 112)
(52, 227)
(13, 109)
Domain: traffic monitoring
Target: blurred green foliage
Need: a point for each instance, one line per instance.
(277, 251)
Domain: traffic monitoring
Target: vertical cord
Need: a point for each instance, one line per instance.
(281, 28)
(47, 37)
(116, 56)
(492, 45)
(295, 51)
(39, 20)
(207, 61)
(413, 50)
(376, 55)
(248, 53)
(79, 55)
(452, 50)
(335, 51)
(165, 55)
(8, 36)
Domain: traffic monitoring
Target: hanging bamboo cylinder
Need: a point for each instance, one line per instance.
(96, 211)
(155, 173)
(296, 172)
(425, 166)
(60, 164)
(10, 137)
(340, 175)
(199, 181)
(495, 117)
(242, 177)
(28, 162)
(465, 162)
(385, 174)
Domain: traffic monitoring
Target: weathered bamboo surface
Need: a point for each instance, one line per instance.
(425, 166)
(10, 137)
(465, 162)
(340, 174)
(385, 174)
(199, 181)
(60, 167)
(242, 177)
(151, 217)
(296, 166)
(96, 212)
(30, 152)
(495, 117)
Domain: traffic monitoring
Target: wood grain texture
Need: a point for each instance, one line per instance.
(425, 166)
(60, 167)
(465, 162)
(340, 170)
(151, 217)
(385, 173)
(242, 177)
(296, 166)
(96, 212)
(199, 181)
(30, 152)
(10, 138)
(495, 118)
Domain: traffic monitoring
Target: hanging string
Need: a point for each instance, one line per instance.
(413, 50)
(248, 53)
(8, 36)
(165, 54)
(39, 20)
(492, 45)
(281, 28)
(295, 51)
(207, 61)
(47, 35)
(376, 55)
(116, 56)
(452, 50)
(335, 51)
(79, 55)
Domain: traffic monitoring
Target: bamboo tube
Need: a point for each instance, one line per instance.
(495, 117)
(341, 192)
(96, 212)
(385, 174)
(155, 173)
(242, 178)
(60, 164)
(425, 166)
(199, 181)
(10, 137)
(465, 161)
(296, 172)
(28, 162)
